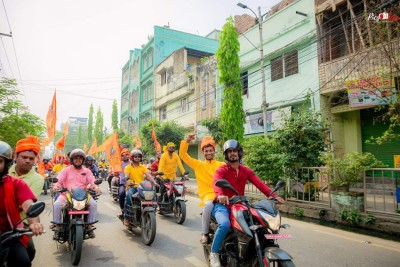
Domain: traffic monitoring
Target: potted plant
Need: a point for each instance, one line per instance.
(347, 171)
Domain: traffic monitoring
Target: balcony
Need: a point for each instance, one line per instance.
(367, 63)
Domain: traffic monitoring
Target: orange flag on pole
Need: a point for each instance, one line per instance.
(137, 141)
(85, 148)
(112, 152)
(51, 119)
(60, 144)
(153, 135)
(93, 148)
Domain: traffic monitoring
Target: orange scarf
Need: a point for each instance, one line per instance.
(12, 207)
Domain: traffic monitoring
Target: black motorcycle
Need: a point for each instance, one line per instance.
(142, 213)
(74, 225)
(34, 210)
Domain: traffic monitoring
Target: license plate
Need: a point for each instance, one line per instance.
(278, 236)
(78, 212)
(149, 203)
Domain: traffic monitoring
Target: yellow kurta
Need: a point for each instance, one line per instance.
(204, 171)
(135, 174)
(58, 167)
(168, 165)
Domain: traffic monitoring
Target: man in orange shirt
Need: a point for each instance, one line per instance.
(44, 166)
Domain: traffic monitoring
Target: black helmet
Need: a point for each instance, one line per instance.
(77, 152)
(5, 150)
(233, 144)
(89, 157)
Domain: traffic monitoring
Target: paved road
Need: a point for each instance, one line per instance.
(178, 245)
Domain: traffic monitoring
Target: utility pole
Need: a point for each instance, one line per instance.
(264, 104)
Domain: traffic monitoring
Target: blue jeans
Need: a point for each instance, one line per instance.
(221, 214)
(128, 200)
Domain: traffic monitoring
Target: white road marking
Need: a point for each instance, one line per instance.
(195, 261)
(359, 241)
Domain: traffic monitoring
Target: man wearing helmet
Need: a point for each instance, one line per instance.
(237, 175)
(15, 193)
(134, 173)
(44, 166)
(89, 163)
(204, 172)
(75, 176)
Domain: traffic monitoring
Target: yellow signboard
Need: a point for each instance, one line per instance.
(397, 161)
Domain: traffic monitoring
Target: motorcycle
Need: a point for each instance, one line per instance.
(173, 199)
(255, 231)
(46, 185)
(34, 210)
(104, 173)
(114, 191)
(74, 220)
(142, 212)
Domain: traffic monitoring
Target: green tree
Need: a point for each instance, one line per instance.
(98, 127)
(232, 115)
(114, 116)
(90, 126)
(15, 120)
(125, 139)
(214, 128)
(169, 131)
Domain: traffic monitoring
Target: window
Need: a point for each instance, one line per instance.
(291, 63)
(244, 78)
(163, 78)
(288, 62)
(185, 104)
(163, 113)
(144, 93)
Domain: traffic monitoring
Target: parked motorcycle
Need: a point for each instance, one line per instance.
(34, 210)
(142, 212)
(253, 241)
(173, 199)
(74, 220)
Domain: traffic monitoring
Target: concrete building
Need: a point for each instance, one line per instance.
(137, 92)
(290, 62)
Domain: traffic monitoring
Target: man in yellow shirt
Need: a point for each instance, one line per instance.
(134, 175)
(204, 172)
(168, 163)
(60, 165)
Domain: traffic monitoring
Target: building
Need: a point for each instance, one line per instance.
(356, 75)
(137, 92)
(290, 63)
(74, 123)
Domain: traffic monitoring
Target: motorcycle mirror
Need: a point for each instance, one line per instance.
(53, 180)
(222, 183)
(279, 185)
(34, 210)
(98, 181)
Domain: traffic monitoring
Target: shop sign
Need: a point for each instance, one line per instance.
(254, 123)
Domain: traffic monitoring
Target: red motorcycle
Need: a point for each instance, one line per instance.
(255, 230)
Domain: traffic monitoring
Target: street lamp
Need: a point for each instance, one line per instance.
(264, 104)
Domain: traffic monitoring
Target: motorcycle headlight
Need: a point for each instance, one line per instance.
(148, 195)
(78, 205)
(179, 189)
(273, 222)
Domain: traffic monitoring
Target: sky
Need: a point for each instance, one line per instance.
(78, 47)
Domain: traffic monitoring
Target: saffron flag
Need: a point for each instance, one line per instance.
(137, 141)
(157, 145)
(85, 148)
(51, 119)
(112, 152)
(102, 147)
(60, 143)
(93, 148)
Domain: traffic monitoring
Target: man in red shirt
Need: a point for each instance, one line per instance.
(237, 175)
(15, 193)
(155, 164)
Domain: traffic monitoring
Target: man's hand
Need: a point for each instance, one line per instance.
(280, 200)
(224, 200)
(36, 228)
(190, 137)
(97, 190)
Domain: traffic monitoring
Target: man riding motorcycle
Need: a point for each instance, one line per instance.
(15, 193)
(75, 176)
(237, 175)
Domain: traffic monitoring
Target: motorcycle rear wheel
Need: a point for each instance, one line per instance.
(148, 228)
(180, 212)
(76, 244)
(45, 187)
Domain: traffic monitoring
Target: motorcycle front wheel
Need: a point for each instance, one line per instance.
(180, 212)
(278, 263)
(207, 251)
(76, 243)
(148, 228)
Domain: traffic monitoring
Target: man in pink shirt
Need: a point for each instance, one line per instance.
(77, 176)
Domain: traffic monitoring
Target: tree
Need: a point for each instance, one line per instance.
(232, 115)
(166, 132)
(90, 126)
(214, 128)
(114, 116)
(98, 127)
(15, 120)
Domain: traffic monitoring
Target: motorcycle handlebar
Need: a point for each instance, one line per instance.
(15, 234)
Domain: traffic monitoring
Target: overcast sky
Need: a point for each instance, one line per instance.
(80, 46)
